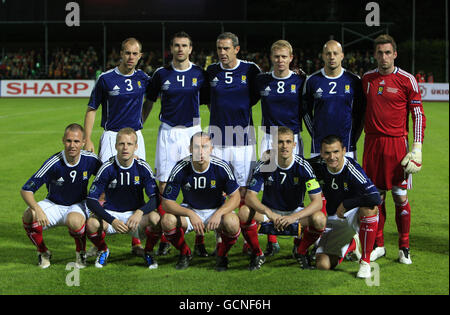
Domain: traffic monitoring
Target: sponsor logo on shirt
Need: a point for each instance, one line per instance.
(165, 85)
(265, 92)
(318, 93)
(214, 82)
(115, 91)
(391, 90)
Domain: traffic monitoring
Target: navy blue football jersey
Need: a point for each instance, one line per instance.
(281, 100)
(348, 183)
(66, 183)
(285, 188)
(233, 93)
(121, 97)
(333, 105)
(201, 190)
(181, 93)
(123, 186)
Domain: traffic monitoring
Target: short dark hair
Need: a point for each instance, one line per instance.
(330, 139)
(181, 34)
(384, 39)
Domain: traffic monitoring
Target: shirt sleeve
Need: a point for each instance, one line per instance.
(257, 179)
(97, 94)
(311, 183)
(254, 93)
(173, 187)
(42, 176)
(97, 188)
(308, 104)
(153, 87)
(416, 109)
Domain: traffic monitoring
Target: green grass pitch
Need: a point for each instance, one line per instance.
(32, 130)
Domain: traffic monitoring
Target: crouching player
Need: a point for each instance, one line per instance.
(66, 175)
(123, 179)
(202, 178)
(352, 201)
(282, 201)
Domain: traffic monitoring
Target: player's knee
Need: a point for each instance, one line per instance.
(244, 213)
(28, 216)
(323, 262)
(75, 221)
(368, 212)
(154, 219)
(168, 222)
(230, 223)
(319, 220)
(399, 195)
(93, 225)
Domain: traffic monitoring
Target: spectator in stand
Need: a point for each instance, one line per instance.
(430, 78)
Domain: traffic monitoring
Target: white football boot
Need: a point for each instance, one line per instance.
(364, 270)
(377, 253)
(80, 261)
(404, 257)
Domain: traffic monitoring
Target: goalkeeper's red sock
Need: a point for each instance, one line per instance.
(80, 238)
(98, 239)
(379, 240)
(250, 233)
(367, 234)
(310, 236)
(176, 237)
(403, 220)
(34, 232)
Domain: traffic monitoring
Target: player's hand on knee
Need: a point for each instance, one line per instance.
(214, 222)
(41, 217)
(412, 162)
(197, 223)
(119, 226)
(134, 220)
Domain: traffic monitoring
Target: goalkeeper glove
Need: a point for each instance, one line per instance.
(412, 162)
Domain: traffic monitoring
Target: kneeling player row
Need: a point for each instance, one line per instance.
(351, 200)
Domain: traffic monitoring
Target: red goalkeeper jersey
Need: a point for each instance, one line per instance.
(390, 99)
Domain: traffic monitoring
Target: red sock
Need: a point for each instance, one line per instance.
(176, 238)
(199, 239)
(80, 238)
(164, 239)
(310, 236)
(34, 232)
(367, 233)
(152, 238)
(250, 233)
(379, 240)
(135, 241)
(272, 238)
(161, 210)
(403, 220)
(98, 239)
(227, 242)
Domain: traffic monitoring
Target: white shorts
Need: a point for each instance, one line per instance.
(242, 159)
(338, 233)
(108, 145)
(171, 146)
(57, 214)
(351, 154)
(124, 216)
(266, 143)
(205, 215)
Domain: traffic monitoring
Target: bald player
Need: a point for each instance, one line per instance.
(333, 102)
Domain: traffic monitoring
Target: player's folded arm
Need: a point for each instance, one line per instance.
(366, 200)
(95, 207)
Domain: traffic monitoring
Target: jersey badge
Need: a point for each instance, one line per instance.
(244, 79)
(380, 90)
(194, 81)
(347, 88)
(136, 180)
(293, 89)
(213, 183)
(85, 175)
(345, 186)
(139, 83)
(296, 179)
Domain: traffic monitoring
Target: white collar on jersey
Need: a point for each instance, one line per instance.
(237, 65)
(332, 78)
(283, 78)
(290, 165)
(120, 165)
(197, 172)
(178, 70)
(340, 171)
(116, 70)
(66, 162)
